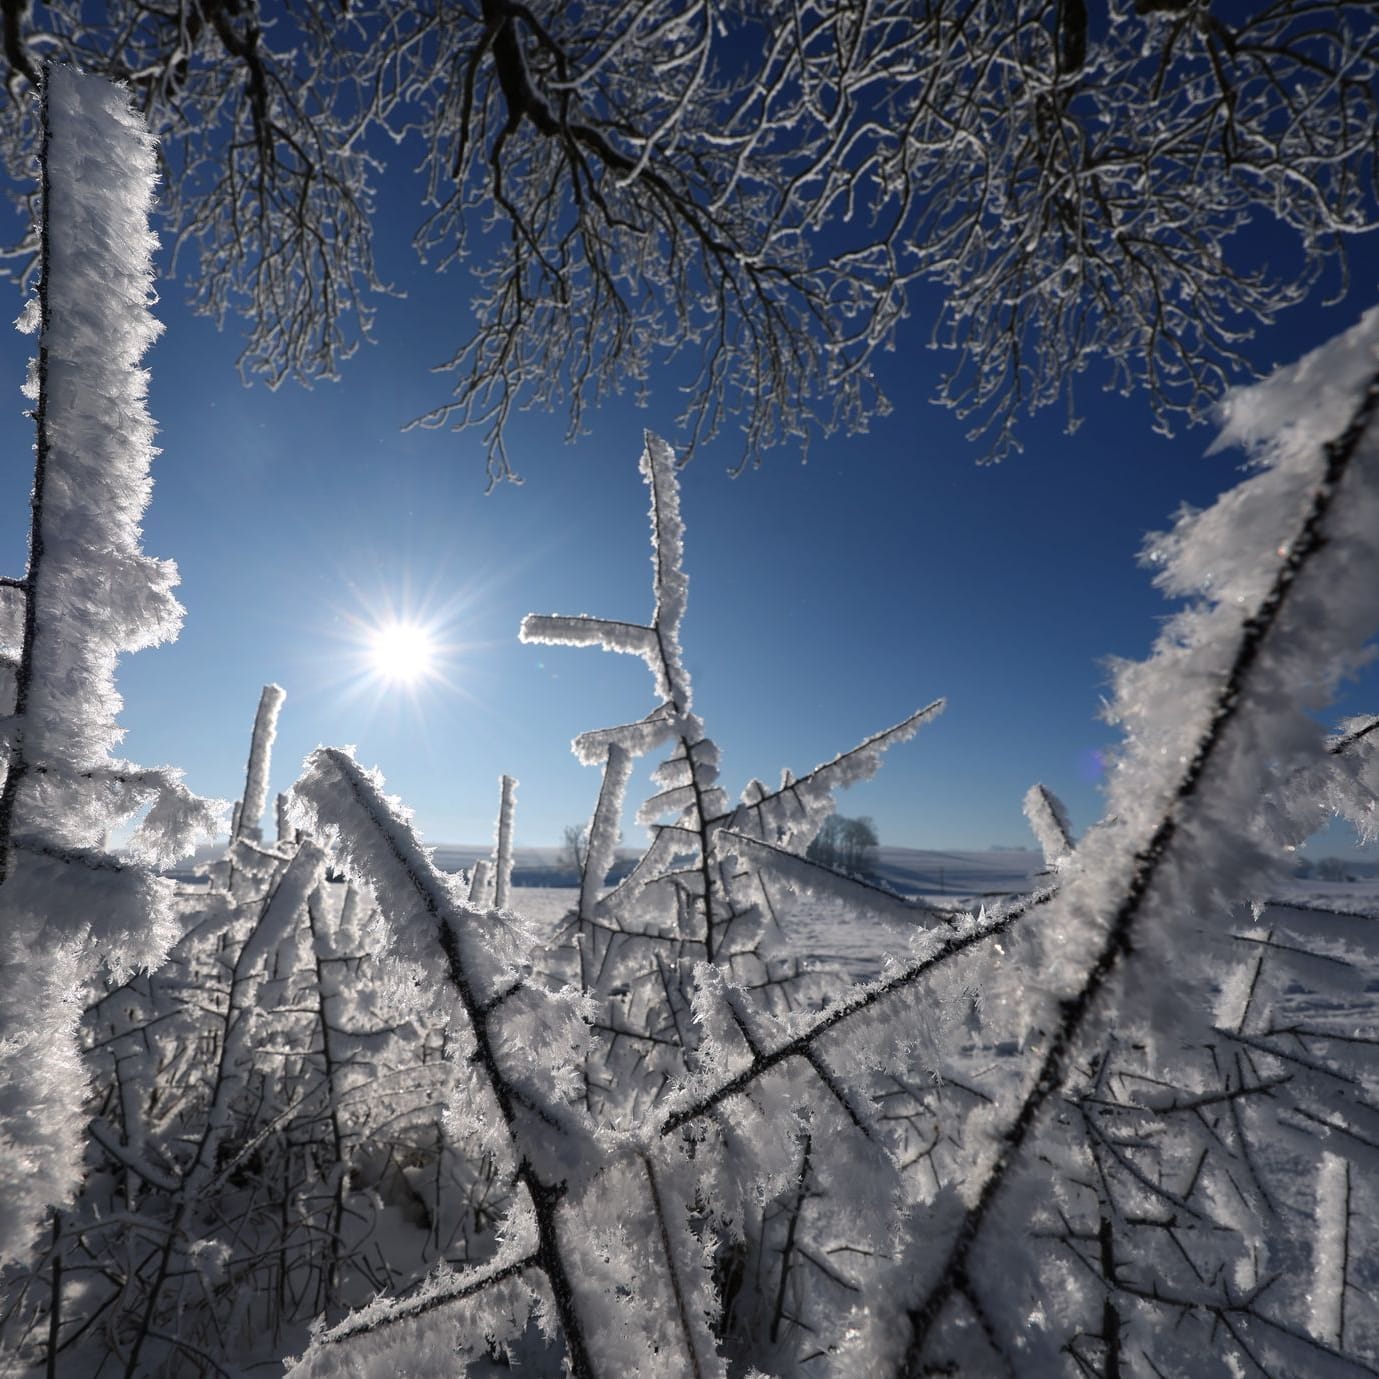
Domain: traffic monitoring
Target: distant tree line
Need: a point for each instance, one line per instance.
(1329, 869)
(845, 845)
(574, 849)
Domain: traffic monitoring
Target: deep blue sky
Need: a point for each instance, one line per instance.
(826, 600)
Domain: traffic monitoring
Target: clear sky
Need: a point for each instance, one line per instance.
(826, 601)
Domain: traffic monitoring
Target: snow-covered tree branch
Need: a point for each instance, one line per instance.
(766, 187)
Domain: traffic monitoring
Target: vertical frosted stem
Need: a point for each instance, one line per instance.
(260, 758)
(502, 859)
(1331, 1251)
(18, 766)
(603, 829)
(89, 594)
(478, 883)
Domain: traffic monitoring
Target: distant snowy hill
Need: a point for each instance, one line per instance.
(997, 871)
(910, 871)
(907, 870)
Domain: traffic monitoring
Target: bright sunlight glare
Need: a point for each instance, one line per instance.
(403, 652)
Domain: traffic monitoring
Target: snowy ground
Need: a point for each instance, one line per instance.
(854, 946)
(818, 930)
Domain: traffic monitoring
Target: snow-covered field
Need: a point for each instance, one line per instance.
(855, 945)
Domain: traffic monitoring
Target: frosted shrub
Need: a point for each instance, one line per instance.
(875, 1184)
(1124, 1125)
(266, 1143)
(89, 593)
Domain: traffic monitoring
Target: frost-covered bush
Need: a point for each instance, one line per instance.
(88, 594)
(267, 1139)
(1123, 1125)
(1118, 1126)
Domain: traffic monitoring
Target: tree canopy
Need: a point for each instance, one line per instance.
(762, 185)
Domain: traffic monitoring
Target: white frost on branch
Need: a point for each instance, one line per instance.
(480, 891)
(658, 644)
(670, 582)
(502, 852)
(1283, 573)
(661, 724)
(89, 595)
(255, 799)
(1330, 1255)
(1226, 560)
(337, 800)
(176, 819)
(791, 816)
(550, 629)
(603, 828)
(1048, 820)
(851, 895)
(95, 593)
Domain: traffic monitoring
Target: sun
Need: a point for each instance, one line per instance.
(404, 653)
(400, 649)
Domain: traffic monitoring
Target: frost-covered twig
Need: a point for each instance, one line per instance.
(791, 816)
(440, 1291)
(255, 798)
(1048, 818)
(936, 950)
(801, 874)
(603, 829)
(243, 1015)
(502, 847)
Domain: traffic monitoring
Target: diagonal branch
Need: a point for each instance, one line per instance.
(681, 1112)
(1145, 870)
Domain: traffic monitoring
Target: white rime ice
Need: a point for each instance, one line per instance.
(1124, 1125)
(1331, 1252)
(480, 891)
(502, 848)
(1048, 820)
(89, 594)
(336, 799)
(614, 1272)
(659, 643)
(255, 799)
(603, 828)
(792, 815)
(668, 957)
(1283, 574)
